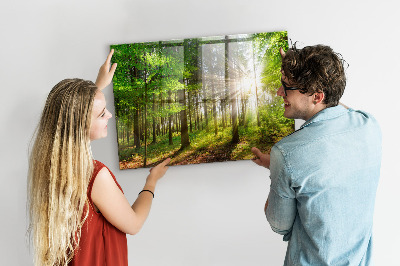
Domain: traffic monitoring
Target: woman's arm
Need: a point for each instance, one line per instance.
(114, 206)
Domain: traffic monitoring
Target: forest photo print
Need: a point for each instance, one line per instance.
(198, 100)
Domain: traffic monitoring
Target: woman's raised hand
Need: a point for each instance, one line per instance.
(106, 72)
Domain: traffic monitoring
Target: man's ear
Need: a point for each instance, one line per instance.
(282, 52)
(318, 97)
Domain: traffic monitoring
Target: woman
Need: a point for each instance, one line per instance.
(78, 212)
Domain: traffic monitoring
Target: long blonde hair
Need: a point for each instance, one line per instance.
(60, 168)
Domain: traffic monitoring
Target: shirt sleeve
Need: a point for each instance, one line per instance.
(281, 210)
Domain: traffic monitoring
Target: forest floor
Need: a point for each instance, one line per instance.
(205, 147)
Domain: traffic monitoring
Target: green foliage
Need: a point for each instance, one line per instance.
(267, 46)
(145, 70)
(274, 125)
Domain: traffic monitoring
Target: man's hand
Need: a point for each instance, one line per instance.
(106, 73)
(261, 159)
(282, 52)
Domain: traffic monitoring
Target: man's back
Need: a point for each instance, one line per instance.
(328, 172)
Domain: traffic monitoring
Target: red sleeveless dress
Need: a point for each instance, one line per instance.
(101, 243)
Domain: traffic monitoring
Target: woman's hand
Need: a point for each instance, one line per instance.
(106, 73)
(158, 171)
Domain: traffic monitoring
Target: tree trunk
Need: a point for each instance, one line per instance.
(136, 128)
(183, 118)
(232, 90)
(205, 107)
(145, 120)
(169, 122)
(154, 120)
(197, 111)
(214, 108)
(255, 82)
(242, 103)
(127, 132)
(190, 110)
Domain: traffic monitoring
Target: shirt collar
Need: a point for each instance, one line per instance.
(326, 114)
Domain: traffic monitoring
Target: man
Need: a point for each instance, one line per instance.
(324, 175)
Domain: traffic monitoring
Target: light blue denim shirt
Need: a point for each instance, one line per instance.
(323, 183)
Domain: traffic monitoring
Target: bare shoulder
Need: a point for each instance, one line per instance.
(104, 173)
(103, 183)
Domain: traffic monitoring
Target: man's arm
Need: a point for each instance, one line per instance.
(262, 159)
(280, 208)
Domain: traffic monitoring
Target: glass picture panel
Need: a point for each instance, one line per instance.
(198, 100)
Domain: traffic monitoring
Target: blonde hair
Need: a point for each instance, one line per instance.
(60, 168)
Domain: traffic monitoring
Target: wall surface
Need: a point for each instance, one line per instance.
(208, 214)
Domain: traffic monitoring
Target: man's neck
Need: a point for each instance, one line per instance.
(318, 108)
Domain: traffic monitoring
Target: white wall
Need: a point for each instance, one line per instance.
(208, 214)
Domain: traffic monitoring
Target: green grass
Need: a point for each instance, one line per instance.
(204, 147)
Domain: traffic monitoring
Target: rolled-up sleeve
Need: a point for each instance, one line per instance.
(281, 210)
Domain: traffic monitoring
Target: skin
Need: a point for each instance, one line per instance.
(106, 72)
(100, 117)
(106, 195)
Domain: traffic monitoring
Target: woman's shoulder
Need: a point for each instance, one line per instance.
(101, 168)
(98, 164)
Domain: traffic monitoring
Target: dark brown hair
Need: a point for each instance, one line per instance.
(316, 69)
